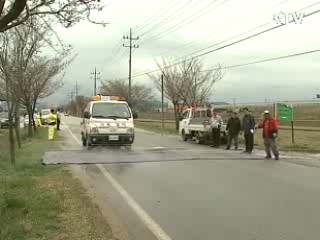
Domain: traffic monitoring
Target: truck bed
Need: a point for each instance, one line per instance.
(196, 124)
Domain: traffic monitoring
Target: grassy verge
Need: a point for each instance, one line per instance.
(38, 202)
(305, 141)
(169, 128)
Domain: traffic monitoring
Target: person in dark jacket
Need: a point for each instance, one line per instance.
(248, 126)
(270, 134)
(233, 128)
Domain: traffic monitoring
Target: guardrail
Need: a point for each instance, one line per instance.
(282, 127)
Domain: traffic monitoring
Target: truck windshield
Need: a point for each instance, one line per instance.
(107, 110)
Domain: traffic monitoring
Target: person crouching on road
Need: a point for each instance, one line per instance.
(216, 123)
(233, 128)
(248, 126)
(270, 133)
(52, 121)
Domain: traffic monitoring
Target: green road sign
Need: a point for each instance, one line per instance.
(285, 112)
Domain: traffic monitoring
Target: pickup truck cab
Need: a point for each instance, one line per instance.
(195, 124)
(107, 120)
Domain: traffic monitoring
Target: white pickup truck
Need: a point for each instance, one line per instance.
(195, 125)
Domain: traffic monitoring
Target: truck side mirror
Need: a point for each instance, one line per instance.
(86, 115)
(135, 115)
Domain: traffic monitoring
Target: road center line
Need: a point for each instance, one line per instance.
(141, 213)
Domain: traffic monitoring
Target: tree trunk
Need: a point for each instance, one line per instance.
(29, 110)
(10, 105)
(12, 144)
(34, 120)
(176, 115)
(17, 126)
(11, 136)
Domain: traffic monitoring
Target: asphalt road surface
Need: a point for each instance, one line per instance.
(223, 199)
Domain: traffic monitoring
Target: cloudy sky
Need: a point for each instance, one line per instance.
(177, 28)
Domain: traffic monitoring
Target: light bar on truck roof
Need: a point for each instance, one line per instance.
(100, 97)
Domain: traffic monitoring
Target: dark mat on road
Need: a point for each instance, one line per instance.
(121, 155)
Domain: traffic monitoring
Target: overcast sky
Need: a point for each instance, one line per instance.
(206, 22)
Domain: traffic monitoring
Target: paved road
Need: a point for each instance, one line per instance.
(208, 199)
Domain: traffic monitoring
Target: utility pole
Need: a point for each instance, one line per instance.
(130, 46)
(96, 76)
(162, 106)
(77, 90)
(76, 97)
(70, 95)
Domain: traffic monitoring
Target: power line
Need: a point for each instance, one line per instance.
(230, 44)
(224, 28)
(228, 39)
(154, 17)
(169, 18)
(228, 27)
(184, 22)
(265, 60)
(238, 35)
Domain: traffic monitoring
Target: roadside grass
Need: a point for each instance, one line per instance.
(305, 141)
(39, 202)
(169, 128)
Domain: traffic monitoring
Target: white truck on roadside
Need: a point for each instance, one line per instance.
(195, 124)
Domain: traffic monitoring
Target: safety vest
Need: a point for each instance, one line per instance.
(52, 119)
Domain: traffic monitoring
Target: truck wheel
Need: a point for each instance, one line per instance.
(184, 136)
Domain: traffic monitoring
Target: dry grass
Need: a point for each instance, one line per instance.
(302, 113)
(38, 202)
(305, 141)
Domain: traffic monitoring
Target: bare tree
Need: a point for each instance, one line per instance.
(68, 12)
(78, 105)
(44, 78)
(139, 92)
(26, 73)
(7, 75)
(197, 83)
(172, 85)
(186, 83)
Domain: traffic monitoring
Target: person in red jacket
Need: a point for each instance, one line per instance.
(270, 134)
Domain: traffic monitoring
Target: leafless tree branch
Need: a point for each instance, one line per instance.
(67, 12)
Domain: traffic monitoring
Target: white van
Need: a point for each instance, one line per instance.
(44, 116)
(107, 120)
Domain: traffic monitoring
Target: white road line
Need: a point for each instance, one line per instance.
(141, 213)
